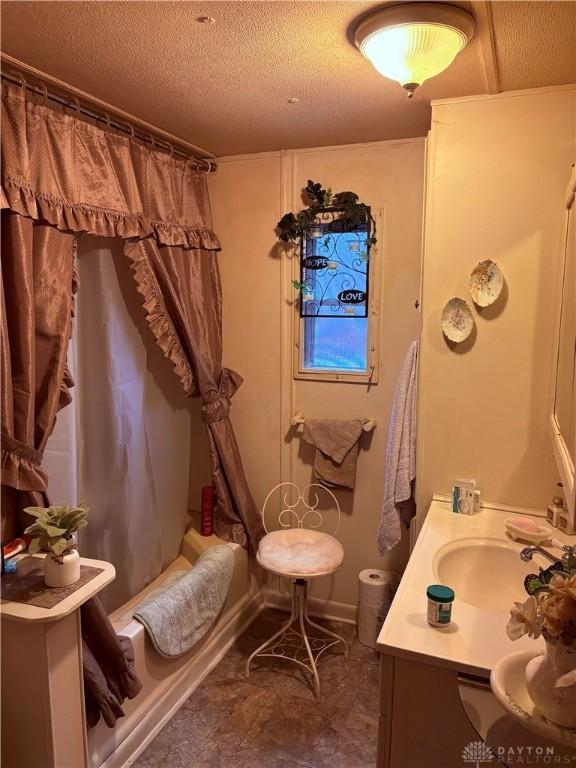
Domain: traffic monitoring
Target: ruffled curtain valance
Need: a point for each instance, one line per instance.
(79, 178)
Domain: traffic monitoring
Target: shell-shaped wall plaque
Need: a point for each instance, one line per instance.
(486, 282)
(457, 320)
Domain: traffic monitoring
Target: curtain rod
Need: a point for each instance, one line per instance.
(128, 127)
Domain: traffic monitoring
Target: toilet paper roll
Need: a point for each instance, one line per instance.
(374, 586)
(376, 590)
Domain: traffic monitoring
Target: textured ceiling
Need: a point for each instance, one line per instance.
(225, 86)
(535, 43)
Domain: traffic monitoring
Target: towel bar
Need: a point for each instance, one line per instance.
(298, 421)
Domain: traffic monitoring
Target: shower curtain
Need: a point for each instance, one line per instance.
(62, 176)
(75, 177)
(125, 442)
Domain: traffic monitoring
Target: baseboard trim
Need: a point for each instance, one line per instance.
(323, 609)
(128, 751)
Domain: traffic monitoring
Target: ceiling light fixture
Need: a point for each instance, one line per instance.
(413, 42)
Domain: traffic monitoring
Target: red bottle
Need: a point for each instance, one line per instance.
(207, 511)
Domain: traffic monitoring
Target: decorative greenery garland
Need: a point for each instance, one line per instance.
(292, 227)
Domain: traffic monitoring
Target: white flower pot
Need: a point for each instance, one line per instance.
(556, 703)
(62, 574)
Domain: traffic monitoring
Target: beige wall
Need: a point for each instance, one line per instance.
(497, 171)
(245, 195)
(249, 194)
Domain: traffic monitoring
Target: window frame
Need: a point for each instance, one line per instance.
(370, 376)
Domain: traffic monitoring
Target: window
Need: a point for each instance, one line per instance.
(336, 344)
(336, 327)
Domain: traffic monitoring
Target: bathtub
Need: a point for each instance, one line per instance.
(167, 683)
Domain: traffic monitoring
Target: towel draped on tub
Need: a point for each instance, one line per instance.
(179, 613)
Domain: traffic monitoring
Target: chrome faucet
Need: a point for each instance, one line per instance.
(528, 552)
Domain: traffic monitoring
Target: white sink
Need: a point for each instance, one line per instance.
(486, 573)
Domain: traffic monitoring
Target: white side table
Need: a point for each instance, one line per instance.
(43, 718)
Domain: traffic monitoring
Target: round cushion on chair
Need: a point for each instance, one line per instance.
(300, 552)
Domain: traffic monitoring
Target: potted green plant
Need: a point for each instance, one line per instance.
(53, 532)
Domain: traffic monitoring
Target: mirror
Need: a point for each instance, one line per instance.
(563, 420)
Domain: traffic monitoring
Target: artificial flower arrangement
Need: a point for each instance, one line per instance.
(550, 613)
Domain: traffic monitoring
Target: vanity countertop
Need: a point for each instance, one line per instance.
(477, 638)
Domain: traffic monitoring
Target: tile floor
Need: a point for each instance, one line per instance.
(271, 719)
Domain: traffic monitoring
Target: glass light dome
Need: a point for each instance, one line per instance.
(414, 42)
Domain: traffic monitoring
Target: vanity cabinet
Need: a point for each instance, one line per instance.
(434, 717)
(422, 721)
(435, 696)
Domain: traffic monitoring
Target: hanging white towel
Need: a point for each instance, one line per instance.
(400, 470)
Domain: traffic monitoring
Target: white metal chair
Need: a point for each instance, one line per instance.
(299, 551)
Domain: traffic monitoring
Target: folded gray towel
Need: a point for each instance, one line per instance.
(180, 612)
(336, 443)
